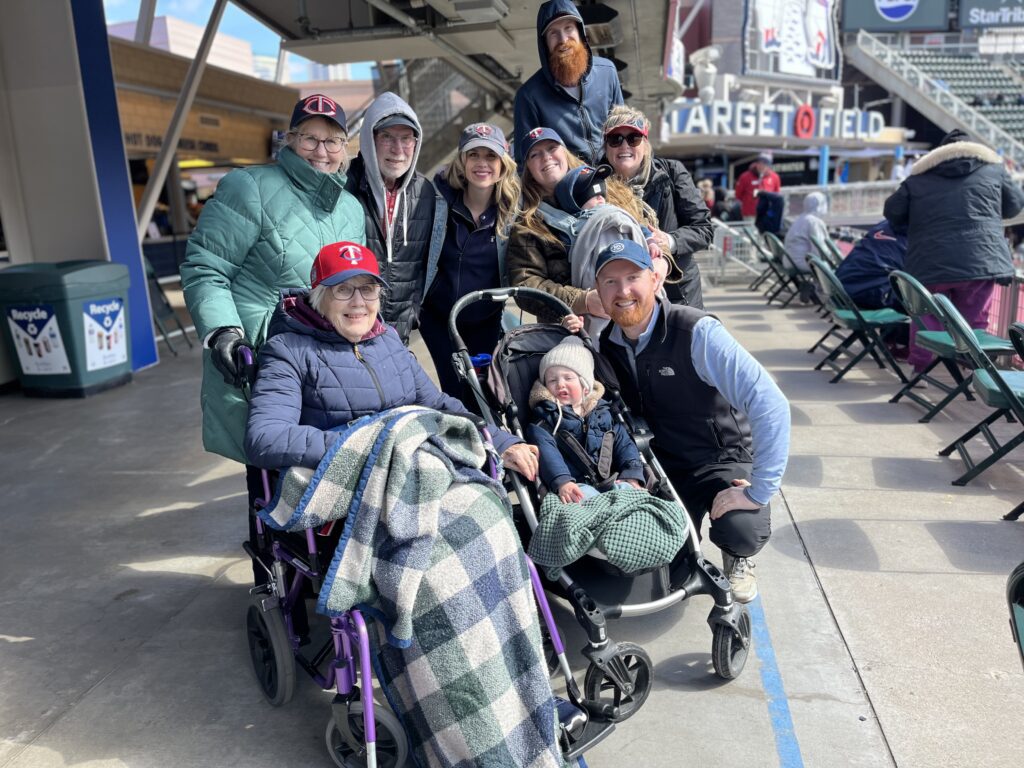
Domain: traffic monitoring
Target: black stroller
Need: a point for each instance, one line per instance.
(619, 674)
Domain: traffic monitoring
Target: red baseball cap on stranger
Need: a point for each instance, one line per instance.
(339, 262)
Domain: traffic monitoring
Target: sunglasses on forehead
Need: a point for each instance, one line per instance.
(616, 139)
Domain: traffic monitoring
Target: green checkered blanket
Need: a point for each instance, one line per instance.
(429, 548)
(632, 528)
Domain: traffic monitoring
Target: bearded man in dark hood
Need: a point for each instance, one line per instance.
(573, 90)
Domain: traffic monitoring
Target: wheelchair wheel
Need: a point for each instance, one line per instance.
(602, 689)
(271, 652)
(727, 652)
(347, 744)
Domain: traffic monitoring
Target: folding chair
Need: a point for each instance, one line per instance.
(918, 301)
(763, 254)
(863, 326)
(787, 286)
(802, 280)
(162, 309)
(1017, 339)
(1000, 390)
(828, 251)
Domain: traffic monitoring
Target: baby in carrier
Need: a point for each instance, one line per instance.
(583, 450)
(597, 224)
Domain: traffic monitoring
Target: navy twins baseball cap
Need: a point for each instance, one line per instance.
(483, 135)
(627, 250)
(579, 185)
(538, 135)
(318, 105)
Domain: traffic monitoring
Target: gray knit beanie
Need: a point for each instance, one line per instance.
(572, 354)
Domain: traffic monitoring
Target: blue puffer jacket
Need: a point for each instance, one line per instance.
(312, 380)
(542, 102)
(557, 466)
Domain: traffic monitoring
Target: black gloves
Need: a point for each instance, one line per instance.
(235, 366)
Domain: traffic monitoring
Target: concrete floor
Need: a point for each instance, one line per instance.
(882, 625)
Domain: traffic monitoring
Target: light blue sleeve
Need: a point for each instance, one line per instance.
(722, 363)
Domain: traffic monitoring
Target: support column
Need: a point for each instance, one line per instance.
(111, 185)
(823, 158)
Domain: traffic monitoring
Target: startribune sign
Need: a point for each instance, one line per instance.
(991, 13)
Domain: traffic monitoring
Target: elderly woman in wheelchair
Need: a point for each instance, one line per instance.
(390, 505)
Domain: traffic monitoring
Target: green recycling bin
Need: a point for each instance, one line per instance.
(67, 326)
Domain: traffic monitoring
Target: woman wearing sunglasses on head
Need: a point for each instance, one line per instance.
(666, 186)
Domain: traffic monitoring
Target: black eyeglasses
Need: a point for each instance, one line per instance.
(345, 291)
(616, 139)
(333, 144)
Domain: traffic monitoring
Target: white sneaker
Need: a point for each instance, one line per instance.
(739, 571)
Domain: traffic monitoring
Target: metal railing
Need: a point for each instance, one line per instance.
(937, 93)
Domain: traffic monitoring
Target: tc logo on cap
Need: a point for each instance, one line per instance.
(535, 133)
(351, 254)
(483, 130)
(320, 105)
(617, 247)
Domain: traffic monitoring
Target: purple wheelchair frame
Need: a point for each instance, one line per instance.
(350, 635)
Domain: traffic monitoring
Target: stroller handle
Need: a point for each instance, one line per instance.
(499, 295)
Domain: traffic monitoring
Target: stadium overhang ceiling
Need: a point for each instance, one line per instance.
(492, 41)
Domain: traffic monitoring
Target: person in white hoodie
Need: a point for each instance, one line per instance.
(405, 215)
(807, 227)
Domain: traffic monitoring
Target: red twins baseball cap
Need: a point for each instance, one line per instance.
(318, 105)
(339, 262)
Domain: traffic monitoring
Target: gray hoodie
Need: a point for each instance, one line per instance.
(413, 238)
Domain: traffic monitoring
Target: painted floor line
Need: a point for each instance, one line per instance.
(786, 745)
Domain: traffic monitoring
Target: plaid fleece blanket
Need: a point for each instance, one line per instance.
(429, 549)
(632, 528)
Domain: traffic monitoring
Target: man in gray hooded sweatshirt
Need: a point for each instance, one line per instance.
(405, 216)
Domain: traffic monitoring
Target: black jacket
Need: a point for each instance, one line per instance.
(693, 424)
(418, 231)
(951, 208)
(682, 213)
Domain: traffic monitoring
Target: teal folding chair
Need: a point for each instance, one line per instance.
(1000, 390)
(1016, 332)
(828, 251)
(790, 278)
(864, 326)
(763, 254)
(919, 302)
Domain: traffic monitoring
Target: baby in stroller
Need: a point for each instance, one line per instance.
(583, 451)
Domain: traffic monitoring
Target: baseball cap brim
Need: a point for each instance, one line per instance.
(626, 129)
(392, 120)
(328, 118)
(488, 142)
(340, 277)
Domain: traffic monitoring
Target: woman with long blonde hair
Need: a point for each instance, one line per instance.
(481, 187)
(538, 249)
(664, 185)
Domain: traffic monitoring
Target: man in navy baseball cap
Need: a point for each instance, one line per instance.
(721, 425)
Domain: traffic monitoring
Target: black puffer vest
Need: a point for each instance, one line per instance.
(693, 424)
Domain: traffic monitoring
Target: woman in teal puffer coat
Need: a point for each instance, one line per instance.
(257, 236)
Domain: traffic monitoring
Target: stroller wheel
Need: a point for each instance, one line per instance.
(347, 744)
(270, 652)
(728, 652)
(638, 669)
